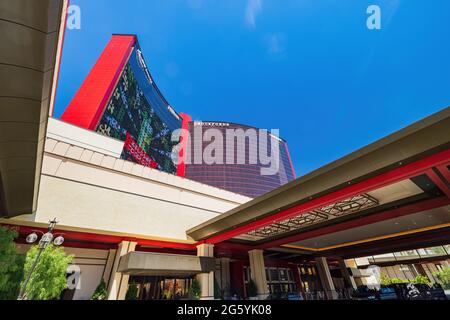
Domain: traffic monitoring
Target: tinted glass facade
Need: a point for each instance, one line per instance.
(245, 177)
(139, 115)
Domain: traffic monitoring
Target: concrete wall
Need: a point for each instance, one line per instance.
(85, 188)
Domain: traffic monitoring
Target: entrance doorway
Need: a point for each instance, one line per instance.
(162, 288)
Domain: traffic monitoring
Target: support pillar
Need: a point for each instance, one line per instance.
(298, 280)
(206, 280)
(118, 284)
(348, 278)
(237, 278)
(258, 272)
(325, 278)
(108, 266)
(223, 279)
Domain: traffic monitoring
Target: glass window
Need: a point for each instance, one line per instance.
(433, 251)
(405, 255)
(283, 275)
(447, 248)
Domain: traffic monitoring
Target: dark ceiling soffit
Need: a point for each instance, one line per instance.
(408, 242)
(354, 216)
(421, 139)
(6, 209)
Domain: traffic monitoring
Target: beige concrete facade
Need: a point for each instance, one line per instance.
(325, 278)
(118, 285)
(160, 264)
(206, 279)
(258, 272)
(30, 32)
(86, 188)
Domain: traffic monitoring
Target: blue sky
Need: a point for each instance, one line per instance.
(310, 68)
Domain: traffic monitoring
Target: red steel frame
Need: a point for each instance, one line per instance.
(374, 218)
(290, 159)
(181, 168)
(59, 57)
(395, 175)
(438, 182)
(76, 236)
(445, 172)
(89, 103)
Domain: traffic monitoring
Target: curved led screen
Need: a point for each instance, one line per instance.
(138, 114)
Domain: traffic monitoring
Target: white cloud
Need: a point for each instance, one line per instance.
(276, 43)
(254, 7)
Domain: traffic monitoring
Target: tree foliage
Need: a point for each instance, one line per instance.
(421, 280)
(132, 293)
(11, 265)
(443, 277)
(218, 294)
(49, 278)
(100, 292)
(385, 280)
(195, 291)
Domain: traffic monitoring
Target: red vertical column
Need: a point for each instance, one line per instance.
(87, 107)
(298, 279)
(237, 278)
(184, 139)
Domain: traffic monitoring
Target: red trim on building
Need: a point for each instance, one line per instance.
(184, 138)
(237, 281)
(102, 239)
(395, 175)
(438, 182)
(87, 107)
(53, 98)
(290, 160)
(445, 172)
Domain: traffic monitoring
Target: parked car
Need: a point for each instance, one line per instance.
(364, 293)
(437, 292)
(402, 291)
(387, 293)
(294, 296)
(419, 292)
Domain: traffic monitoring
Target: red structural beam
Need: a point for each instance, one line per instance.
(359, 222)
(395, 175)
(75, 236)
(445, 172)
(184, 140)
(87, 107)
(438, 182)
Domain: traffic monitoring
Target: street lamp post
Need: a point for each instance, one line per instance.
(46, 239)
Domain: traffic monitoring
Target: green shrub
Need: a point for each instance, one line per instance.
(132, 293)
(195, 291)
(100, 292)
(443, 277)
(421, 280)
(11, 265)
(218, 294)
(252, 289)
(385, 280)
